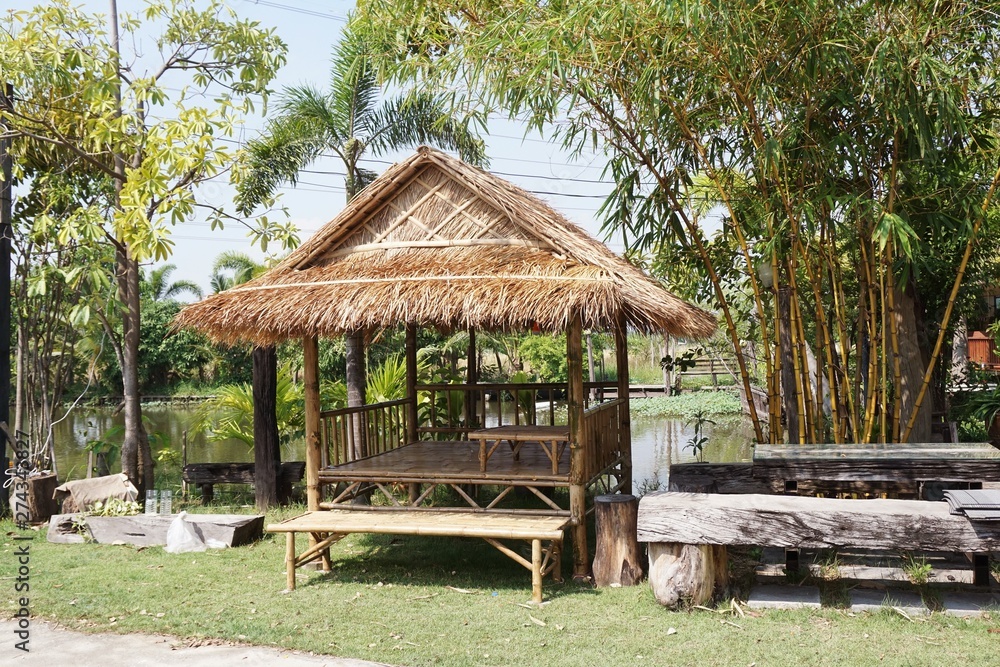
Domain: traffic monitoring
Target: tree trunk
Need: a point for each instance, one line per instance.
(960, 353)
(137, 459)
(913, 367)
(355, 344)
(616, 559)
(266, 448)
(687, 574)
(789, 393)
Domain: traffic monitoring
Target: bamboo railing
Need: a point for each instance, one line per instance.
(383, 429)
(441, 407)
(441, 415)
(603, 437)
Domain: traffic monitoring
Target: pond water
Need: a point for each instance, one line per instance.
(657, 442)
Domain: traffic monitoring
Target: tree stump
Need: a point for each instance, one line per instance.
(617, 559)
(41, 504)
(686, 574)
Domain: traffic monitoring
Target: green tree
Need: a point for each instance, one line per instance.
(350, 120)
(842, 158)
(82, 94)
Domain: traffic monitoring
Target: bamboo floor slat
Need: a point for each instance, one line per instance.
(445, 524)
(454, 461)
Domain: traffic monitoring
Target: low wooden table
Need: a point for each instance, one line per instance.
(893, 467)
(552, 439)
(327, 527)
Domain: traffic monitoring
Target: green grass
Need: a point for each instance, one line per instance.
(394, 599)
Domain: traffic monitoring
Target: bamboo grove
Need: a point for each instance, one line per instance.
(844, 151)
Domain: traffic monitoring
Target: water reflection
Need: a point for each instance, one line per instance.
(657, 442)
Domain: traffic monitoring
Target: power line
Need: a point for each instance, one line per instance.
(300, 10)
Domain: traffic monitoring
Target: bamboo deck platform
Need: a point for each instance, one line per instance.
(451, 462)
(327, 527)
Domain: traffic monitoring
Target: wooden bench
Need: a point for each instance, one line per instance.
(688, 533)
(207, 475)
(328, 526)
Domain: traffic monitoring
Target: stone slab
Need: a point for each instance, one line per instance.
(967, 604)
(146, 530)
(784, 597)
(867, 599)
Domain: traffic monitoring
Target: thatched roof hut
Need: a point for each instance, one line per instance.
(438, 242)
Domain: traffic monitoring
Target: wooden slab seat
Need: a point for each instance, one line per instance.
(329, 526)
(207, 475)
(688, 533)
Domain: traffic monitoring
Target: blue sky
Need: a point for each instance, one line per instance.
(311, 28)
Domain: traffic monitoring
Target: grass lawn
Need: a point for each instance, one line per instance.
(448, 601)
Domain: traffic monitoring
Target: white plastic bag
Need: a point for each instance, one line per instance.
(183, 537)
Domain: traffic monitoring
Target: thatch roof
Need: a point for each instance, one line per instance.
(438, 242)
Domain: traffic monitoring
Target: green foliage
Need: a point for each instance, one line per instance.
(917, 569)
(546, 356)
(687, 405)
(115, 507)
(230, 414)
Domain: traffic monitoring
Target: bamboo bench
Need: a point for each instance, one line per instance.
(688, 533)
(329, 526)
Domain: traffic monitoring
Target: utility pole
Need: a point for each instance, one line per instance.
(6, 233)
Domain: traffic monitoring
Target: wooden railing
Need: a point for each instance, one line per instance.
(448, 411)
(382, 427)
(603, 436)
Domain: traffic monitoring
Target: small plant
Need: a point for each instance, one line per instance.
(829, 565)
(697, 442)
(917, 570)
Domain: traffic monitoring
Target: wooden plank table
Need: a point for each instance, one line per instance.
(552, 439)
(899, 467)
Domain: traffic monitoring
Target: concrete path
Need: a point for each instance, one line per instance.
(51, 645)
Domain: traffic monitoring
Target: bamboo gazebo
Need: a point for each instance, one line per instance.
(435, 242)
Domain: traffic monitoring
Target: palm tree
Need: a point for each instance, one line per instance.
(233, 268)
(349, 120)
(159, 288)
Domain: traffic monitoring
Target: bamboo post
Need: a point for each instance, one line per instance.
(577, 447)
(310, 367)
(411, 382)
(471, 378)
(413, 490)
(624, 417)
(536, 571)
(184, 462)
(290, 558)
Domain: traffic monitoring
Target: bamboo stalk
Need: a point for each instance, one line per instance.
(952, 297)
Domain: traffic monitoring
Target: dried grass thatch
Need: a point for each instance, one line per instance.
(437, 242)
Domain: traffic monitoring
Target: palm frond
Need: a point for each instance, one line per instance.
(354, 88)
(422, 118)
(242, 265)
(290, 143)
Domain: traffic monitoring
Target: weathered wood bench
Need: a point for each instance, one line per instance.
(328, 526)
(688, 533)
(207, 475)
